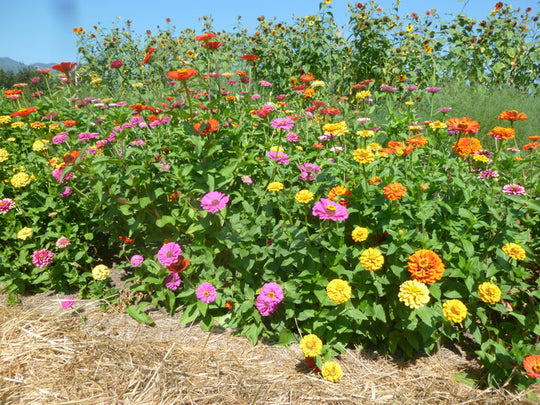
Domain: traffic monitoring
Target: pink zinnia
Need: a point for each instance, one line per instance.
(272, 291)
(59, 138)
(327, 209)
(66, 192)
(169, 252)
(6, 204)
(514, 189)
(309, 171)
(206, 292)
(172, 282)
(280, 157)
(282, 123)
(214, 201)
(42, 258)
(265, 307)
(62, 242)
(292, 137)
(136, 260)
(67, 302)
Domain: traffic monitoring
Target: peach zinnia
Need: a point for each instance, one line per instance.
(501, 133)
(425, 266)
(464, 125)
(394, 191)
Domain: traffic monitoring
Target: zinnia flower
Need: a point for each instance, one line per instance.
(360, 234)
(67, 302)
(64, 66)
(172, 281)
(180, 265)
(115, 64)
(514, 251)
(501, 133)
(214, 201)
(327, 209)
(182, 74)
(168, 253)
(24, 233)
(136, 260)
(331, 371)
(282, 123)
(454, 310)
(62, 242)
(280, 157)
(339, 194)
(42, 258)
(363, 156)
(371, 259)
(206, 292)
(512, 116)
(413, 294)
(532, 365)
(425, 266)
(272, 292)
(309, 171)
(20, 180)
(467, 146)
(464, 125)
(6, 204)
(311, 345)
(514, 189)
(394, 191)
(275, 186)
(304, 196)
(100, 272)
(338, 291)
(489, 292)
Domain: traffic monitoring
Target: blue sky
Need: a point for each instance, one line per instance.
(41, 30)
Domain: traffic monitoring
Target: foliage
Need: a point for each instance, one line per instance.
(140, 146)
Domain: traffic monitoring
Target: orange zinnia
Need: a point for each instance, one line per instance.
(23, 112)
(69, 123)
(417, 141)
(530, 146)
(182, 74)
(425, 266)
(148, 55)
(64, 66)
(394, 191)
(211, 126)
(532, 365)
(12, 92)
(512, 116)
(466, 146)
(501, 133)
(339, 191)
(464, 125)
(533, 138)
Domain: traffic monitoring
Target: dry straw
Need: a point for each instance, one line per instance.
(49, 355)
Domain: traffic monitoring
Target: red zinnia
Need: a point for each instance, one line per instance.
(179, 266)
(64, 66)
(205, 37)
(148, 55)
(307, 78)
(115, 64)
(69, 123)
(182, 74)
(212, 44)
(24, 112)
(250, 56)
(532, 365)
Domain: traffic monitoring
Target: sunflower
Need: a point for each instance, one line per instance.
(190, 53)
(425, 266)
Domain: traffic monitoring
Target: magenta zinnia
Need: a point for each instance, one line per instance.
(6, 204)
(42, 258)
(327, 209)
(206, 292)
(169, 252)
(214, 201)
(270, 296)
(282, 123)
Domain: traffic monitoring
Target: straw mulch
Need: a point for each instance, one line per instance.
(55, 356)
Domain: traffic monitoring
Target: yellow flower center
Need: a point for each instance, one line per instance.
(536, 368)
(206, 294)
(423, 262)
(331, 208)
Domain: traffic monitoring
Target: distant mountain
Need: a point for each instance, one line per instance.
(8, 64)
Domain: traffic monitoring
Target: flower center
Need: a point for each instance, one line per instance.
(215, 202)
(536, 368)
(271, 294)
(41, 255)
(206, 294)
(423, 262)
(331, 208)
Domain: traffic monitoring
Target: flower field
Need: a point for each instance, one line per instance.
(291, 184)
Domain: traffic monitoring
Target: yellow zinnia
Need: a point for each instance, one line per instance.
(454, 310)
(413, 294)
(331, 371)
(371, 259)
(363, 156)
(360, 234)
(24, 233)
(4, 155)
(100, 272)
(489, 292)
(338, 291)
(275, 186)
(311, 345)
(304, 196)
(514, 251)
(20, 180)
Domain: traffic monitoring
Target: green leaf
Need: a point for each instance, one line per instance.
(138, 315)
(190, 313)
(286, 337)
